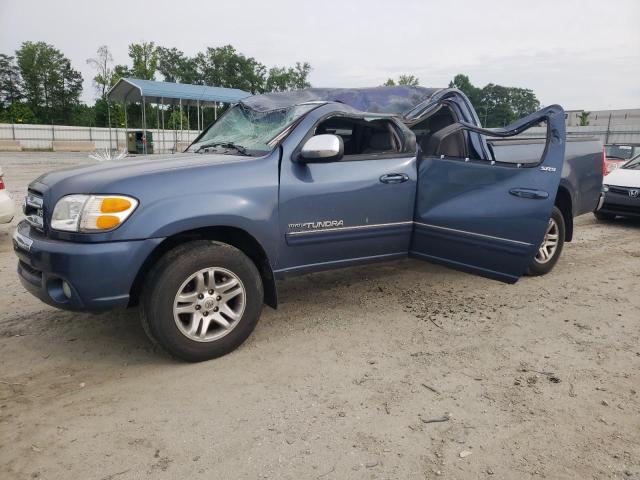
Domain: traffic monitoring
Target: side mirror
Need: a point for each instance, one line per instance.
(322, 148)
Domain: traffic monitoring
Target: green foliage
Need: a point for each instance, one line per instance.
(42, 87)
(497, 105)
(144, 57)
(83, 116)
(120, 71)
(225, 67)
(175, 66)
(10, 82)
(408, 80)
(51, 87)
(584, 119)
(174, 120)
(101, 114)
(18, 112)
(402, 80)
(281, 79)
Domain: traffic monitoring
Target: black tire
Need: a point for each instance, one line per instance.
(604, 217)
(167, 277)
(538, 267)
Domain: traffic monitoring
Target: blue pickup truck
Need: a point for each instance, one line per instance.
(297, 182)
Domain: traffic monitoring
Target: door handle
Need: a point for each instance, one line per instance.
(394, 178)
(531, 193)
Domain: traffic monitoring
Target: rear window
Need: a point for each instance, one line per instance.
(625, 152)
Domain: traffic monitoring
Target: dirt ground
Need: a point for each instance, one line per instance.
(540, 379)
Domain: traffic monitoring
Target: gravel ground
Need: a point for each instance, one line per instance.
(534, 380)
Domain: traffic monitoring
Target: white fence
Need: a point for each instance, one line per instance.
(621, 134)
(41, 137)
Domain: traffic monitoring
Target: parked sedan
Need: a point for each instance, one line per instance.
(7, 206)
(618, 155)
(621, 192)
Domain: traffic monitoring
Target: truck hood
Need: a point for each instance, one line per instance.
(623, 177)
(86, 179)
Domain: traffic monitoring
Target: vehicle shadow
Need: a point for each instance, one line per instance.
(117, 338)
(626, 222)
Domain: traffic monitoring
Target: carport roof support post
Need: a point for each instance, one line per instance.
(144, 126)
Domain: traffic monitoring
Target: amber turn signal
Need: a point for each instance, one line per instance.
(107, 222)
(114, 205)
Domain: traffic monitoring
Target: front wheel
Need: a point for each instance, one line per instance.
(202, 300)
(551, 247)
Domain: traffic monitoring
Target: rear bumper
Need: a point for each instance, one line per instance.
(99, 275)
(619, 204)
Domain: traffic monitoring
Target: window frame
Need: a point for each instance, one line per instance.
(401, 133)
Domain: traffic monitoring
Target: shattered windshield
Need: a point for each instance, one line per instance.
(244, 130)
(633, 164)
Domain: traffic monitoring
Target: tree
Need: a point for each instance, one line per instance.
(18, 112)
(67, 97)
(584, 118)
(225, 67)
(462, 83)
(281, 79)
(408, 80)
(51, 86)
(144, 57)
(175, 66)
(411, 80)
(120, 71)
(497, 105)
(102, 63)
(10, 82)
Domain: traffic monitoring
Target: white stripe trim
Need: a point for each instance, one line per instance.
(438, 227)
(357, 227)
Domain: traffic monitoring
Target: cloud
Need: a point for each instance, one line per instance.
(579, 53)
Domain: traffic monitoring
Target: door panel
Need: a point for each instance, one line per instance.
(488, 217)
(340, 212)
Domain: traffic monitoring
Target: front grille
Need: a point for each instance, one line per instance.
(34, 209)
(623, 190)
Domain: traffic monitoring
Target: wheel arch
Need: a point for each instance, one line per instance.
(234, 236)
(565, 204)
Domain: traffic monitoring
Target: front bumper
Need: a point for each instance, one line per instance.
(99, 275)
(619, 203)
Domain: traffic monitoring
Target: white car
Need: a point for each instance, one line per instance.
(621, 192)
(7, 205)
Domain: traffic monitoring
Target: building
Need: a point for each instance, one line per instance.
(604, 118)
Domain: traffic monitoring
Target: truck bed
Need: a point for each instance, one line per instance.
(581, 173)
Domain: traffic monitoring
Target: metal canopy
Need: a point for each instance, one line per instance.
(133, 90)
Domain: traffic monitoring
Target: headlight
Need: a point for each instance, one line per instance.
(605, 188)
(91, 213)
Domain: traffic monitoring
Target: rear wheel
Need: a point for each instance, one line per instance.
(605, 217)
(202, 300)
(551, 247)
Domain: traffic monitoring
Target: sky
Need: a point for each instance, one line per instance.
(582, 54)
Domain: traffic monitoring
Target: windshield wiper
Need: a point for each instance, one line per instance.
(238, 148)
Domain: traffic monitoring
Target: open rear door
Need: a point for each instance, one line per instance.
(485, 216)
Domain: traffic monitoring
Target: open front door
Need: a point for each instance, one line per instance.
(486, 216)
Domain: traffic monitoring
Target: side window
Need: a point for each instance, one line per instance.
(363, 138)
(454, 145)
